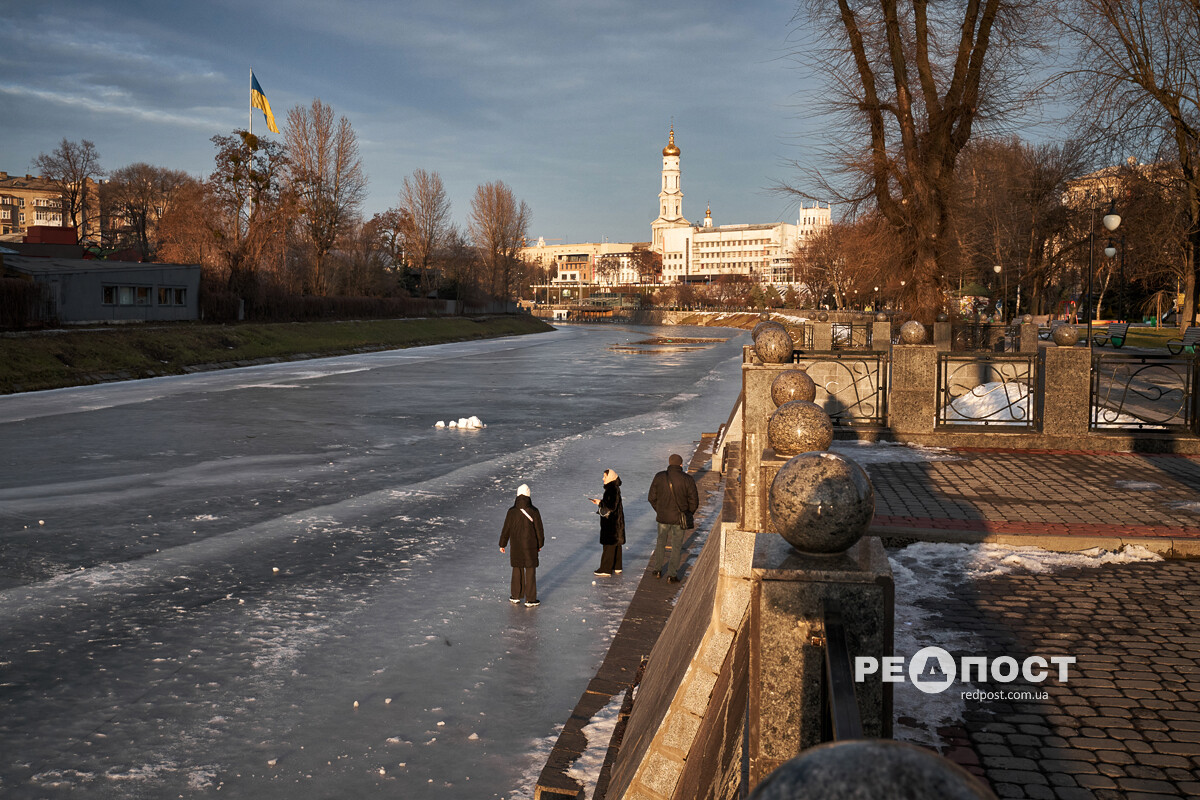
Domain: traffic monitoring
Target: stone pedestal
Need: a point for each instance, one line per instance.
(1027, 338)
(912, 406)
(881, 336)
(943, 337)
(787, 655)
(822, 336)
(1068, 391)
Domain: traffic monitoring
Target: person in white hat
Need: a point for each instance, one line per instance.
(612, 524)
(523, 537)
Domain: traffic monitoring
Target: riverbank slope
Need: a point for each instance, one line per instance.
(32, 361)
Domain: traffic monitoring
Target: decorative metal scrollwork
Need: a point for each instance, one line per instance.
(856, 391)
(990, 391)
(1133, 392)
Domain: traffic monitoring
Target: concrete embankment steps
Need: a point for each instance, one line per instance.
(644, 620)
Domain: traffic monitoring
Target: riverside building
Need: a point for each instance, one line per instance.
(689, 253)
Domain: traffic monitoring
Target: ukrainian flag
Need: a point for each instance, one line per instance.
(259, 100)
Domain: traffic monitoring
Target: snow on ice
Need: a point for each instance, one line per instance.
(468, 423)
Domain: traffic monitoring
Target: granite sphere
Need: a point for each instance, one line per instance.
(774, 345)
(762, 326)
(1065, 335)
(799, 426)
(881, 317)
(823, 316)
(1026, 319)
(858, 768)
(793, 384)
(821, 503)
(943, 317)
(912, 332)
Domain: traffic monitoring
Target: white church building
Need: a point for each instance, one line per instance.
(690, 253)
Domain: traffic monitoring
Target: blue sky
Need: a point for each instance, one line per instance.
(567, 103)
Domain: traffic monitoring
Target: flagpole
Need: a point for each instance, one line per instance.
(250, 97)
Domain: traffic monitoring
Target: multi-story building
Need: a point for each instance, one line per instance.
(689, 253)
(28, 201)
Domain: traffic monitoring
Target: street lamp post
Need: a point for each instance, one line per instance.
(1004, 295)
(1112, 221)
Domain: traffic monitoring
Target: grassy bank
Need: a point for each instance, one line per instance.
(55, 359)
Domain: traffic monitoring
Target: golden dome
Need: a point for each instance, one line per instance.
(671, 149)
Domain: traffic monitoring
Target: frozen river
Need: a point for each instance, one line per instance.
(284, 581)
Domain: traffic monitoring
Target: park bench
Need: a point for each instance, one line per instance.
(1114, 333)
(1191, 338)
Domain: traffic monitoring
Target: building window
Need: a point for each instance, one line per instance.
(168, 296)
(126, 295)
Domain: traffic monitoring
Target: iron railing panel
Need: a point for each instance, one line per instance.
(982, 390)
(1144, 392)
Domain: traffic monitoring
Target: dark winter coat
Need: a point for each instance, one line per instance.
(523, 535)
(669, 506)
(612, 514)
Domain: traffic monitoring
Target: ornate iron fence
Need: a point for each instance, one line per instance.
(991, 391)
(1144, 392)
(851, 387)
(850, 336)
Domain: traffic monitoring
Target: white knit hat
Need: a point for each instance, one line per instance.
(610, 475)
(523, 489)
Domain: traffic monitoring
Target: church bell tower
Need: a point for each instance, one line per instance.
(670, 199)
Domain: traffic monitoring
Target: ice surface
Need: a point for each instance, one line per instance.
(151, 648)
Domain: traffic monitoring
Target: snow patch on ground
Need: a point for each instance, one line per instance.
(1191, 506)
(891, 452)
(598, 732)
(1138, 486)
(925, 574)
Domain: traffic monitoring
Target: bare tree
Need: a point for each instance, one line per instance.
(134, 200)
(251, 210)
(1139, 79)
(498, 226)
(646, 263)
(1010, 211)
(327, 179)
(426, 209)
(71, 167)
(912, 78)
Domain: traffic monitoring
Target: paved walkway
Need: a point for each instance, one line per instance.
(1127, 723)
(1041, 494)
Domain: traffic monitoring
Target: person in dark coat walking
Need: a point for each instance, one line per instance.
(612, 524)
(675, 499)
(524, 537)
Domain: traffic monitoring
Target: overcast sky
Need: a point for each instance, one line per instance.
(568, 103)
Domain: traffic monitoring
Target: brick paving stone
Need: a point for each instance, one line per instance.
(1073, 793)
(1143, 785)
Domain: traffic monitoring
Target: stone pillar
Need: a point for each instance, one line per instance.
(881, 336)
(823, 336)
(912, 403)
(943, 338)
(1067, 391)
(789, 593)
(757, 408)
(1028, 342)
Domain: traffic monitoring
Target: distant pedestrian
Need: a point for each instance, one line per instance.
(675, 499)
(612, 524)
(524, 537)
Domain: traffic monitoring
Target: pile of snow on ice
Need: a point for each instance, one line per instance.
(925, 576)
(470, 423)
